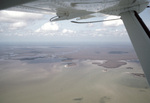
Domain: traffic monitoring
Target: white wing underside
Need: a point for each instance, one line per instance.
(68, 9)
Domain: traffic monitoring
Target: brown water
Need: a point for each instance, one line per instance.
(22, 82)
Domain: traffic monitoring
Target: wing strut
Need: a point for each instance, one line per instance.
(140, 38)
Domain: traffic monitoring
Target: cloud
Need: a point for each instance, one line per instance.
(90, 25)
(19, 21)
(101, 30)
(113, 22)
(18, 25)
(49, 26)
(33, 27)
(68, 31)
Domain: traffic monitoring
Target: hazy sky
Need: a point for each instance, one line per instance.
(31, 27)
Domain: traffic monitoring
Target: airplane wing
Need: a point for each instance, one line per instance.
(64, 9)
(68, 9)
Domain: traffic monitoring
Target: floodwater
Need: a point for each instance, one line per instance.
(83, 82)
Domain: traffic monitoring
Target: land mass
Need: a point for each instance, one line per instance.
(110, 64)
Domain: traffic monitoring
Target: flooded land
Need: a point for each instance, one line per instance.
(71, 73)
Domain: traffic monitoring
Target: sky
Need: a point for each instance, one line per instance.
(32, 27)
